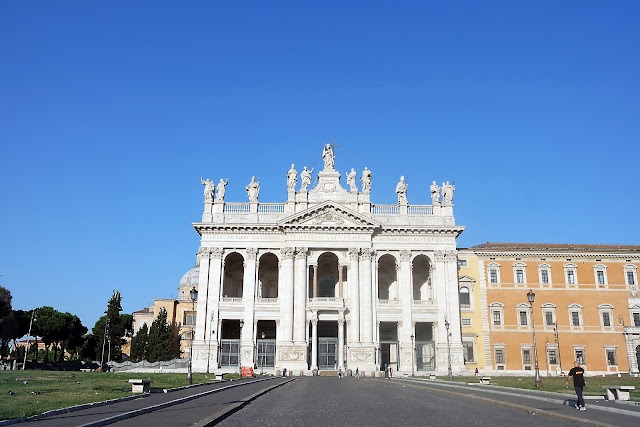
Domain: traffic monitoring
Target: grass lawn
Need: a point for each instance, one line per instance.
(557, 384)
(63, 389)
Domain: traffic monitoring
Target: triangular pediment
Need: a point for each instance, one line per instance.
(329, 215)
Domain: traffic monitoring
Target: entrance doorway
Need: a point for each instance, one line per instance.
(425, 347)
(327, 344)
(230, 343)
(266, 344)
(389, 346)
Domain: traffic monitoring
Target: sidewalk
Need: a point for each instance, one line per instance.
(560, 405)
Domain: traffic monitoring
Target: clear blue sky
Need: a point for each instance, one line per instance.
(110, 112)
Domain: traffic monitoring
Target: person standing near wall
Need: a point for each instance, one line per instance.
(577, 373)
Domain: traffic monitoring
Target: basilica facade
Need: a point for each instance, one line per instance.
(328, 279)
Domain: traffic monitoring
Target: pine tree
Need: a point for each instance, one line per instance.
(140, 344)
(160, 339)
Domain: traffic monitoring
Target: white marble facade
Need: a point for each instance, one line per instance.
(328, 279)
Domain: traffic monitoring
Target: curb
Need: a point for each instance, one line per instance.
(135, 413)
(220, 415)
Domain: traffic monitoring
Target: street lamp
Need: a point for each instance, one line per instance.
(263, 354)
(446, 325)
(26, 348)
(210, 336)
(413, 350)
(194, 296)
(239, 352)
(531, 296)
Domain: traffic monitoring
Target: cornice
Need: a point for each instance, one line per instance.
(546, 254)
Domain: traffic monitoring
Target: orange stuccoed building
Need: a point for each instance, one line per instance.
(586, 306)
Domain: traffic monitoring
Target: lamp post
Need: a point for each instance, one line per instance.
(210, 336)
(413, 350)
(446, 325)
(531, 296)
(557, 336)
(26, 348)
(194, 296)
(239, 349)
(263, 354)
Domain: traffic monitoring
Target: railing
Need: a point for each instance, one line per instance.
(422, 301)
(267, 300)
(269, 208)
(236, 208)
(326, 299)
(388, 301)
(231, 299)
(420, 210)
(385, 209)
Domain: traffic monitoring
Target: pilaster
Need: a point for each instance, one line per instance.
(354, 296)
(248, 299)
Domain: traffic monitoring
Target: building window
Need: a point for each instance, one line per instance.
(575, 314)
(519, 276)
(553, 356)
(630, 274)
(496, 317)
(544, 277)
(600, 277)
(548, 318)
(189, 318)
(467, 347)
(499, 355)
(600, 272)
(526, 356)
(575, 318)
(570, 277)
(523, 318)
(549, 314)
(520, 273)
(462, 262)
(571, 274)
(636, 319)
(465, 321)
(494, 272)
(579, 356)
(606, 313)
(465, 300)
(611, 357)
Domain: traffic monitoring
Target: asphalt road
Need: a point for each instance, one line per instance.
(328, 401)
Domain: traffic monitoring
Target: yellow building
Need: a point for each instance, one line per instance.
(586, 306)
(180, 313)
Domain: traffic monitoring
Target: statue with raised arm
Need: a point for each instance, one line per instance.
(366, 181)
(209, 190)
(328, 157)
(447, 194)
(253, 190)
(221, 190)
(435, 194)
(401, 191)
(351, 180)
(305, 179)
(292, 178)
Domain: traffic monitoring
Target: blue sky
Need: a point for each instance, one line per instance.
(110, 112)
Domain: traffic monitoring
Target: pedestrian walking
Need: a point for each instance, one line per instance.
(340, 372)
(577, 373)
(357, 373)
(476, 372)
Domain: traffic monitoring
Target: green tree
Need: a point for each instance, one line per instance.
(5, 303)
(119, 325)
(140, 344)
(48, 324)
(160, 339)
(76, 335)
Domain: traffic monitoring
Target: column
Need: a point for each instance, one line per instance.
(354, 295)
(341, 342)
(314, 342)
(340, 279)
(367, 306)
(213, 299)
(457, 357)
(300, 295)
(248, 299)
(203, 288)
(406, 296)
(286, 304)
(315, 281)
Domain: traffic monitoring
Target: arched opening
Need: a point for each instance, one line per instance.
(233, 276)
(465, 298)
(421, 278)
(268, 276)
(638, 356)
(387, 278)
(327, 275)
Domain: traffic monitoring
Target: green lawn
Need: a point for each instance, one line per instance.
(557, 384)
(63, 389)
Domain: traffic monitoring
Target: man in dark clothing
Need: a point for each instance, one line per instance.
(577, 373)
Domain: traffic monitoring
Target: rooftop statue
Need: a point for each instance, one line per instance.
(351, 180)
(292, 178)
(328, 157)
(305, 178)
(447, 194)
(221, 190)
(435, 194)
(209, 190)
(366, 181)
(401, 191)
(253, 190)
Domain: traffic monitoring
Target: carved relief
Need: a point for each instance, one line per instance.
(216, 253)
(204, 252)
(292, 355)
(366, 254)
(361, 356)
(302, 253)
(251, 253)
(246, 355)
(439, 255)
(328, 216)
(353, 253)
